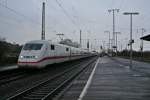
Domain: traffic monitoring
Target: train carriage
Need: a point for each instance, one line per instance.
(40, 53)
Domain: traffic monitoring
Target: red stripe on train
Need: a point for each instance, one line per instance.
(47, 58)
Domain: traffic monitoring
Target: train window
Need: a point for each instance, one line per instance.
(32, 46)
(52, 47)
(67, 49)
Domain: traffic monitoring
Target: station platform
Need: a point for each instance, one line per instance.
(6, 68)
(114, 81)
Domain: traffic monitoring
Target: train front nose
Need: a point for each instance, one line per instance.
(28, 60)
(30, 55)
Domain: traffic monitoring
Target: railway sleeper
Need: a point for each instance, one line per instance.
(58, 81)
(52, 85)
(31, 95)
(35, 95)
(30, 98)
(46, 89)
(40, 93)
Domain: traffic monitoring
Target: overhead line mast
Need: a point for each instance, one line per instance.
(80, 38)
(113, 11)
(43, 22)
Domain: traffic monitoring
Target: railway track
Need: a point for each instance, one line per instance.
(50, 88)
(76, 86)
(13, 75)
(10, 76)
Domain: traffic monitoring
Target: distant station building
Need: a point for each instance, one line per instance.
(146, 38)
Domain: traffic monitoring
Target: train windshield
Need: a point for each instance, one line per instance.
(32, 46)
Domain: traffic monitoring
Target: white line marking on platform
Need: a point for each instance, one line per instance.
(121, 65)
(8, 68)
(126, 67)
(84, 91)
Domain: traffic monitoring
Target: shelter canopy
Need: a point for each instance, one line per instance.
(147, 37)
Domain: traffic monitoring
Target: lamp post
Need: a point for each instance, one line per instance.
(141, 46)
(131, 41)
(109, 39)
(117, 41)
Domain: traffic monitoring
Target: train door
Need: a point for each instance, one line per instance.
(70, 54)
(52, 53)
(67, 53)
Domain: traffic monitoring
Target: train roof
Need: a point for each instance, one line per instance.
(46, 41)
(38, 41)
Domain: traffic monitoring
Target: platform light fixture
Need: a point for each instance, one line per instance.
(131, 14)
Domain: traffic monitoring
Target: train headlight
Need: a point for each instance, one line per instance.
(35, 57)
(21, 56)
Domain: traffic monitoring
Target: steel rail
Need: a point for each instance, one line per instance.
(46, 90)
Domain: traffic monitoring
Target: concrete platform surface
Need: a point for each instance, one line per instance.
(116, 81)
(6, 68)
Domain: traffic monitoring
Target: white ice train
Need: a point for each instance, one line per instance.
(40, 53)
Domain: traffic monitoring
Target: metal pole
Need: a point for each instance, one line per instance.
(117, 41)
(116, 44)
(131, 41)
(88, 44)
(95, 45)
(103, 44)
(113, 11)
(43, 22)
(143, 30)
(80, 39)
(109, 39)
(113, 28)
(121, 48)
(111, 44)
(142, 47)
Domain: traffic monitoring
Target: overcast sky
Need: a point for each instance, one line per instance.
(20, 20)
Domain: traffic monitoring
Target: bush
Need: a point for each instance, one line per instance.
(9, 53)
